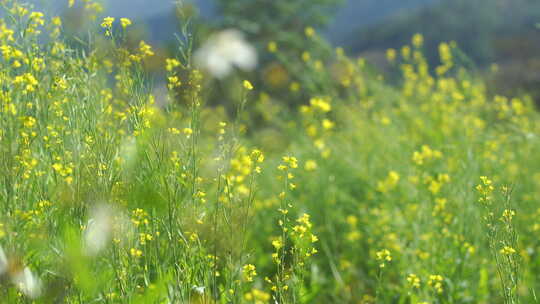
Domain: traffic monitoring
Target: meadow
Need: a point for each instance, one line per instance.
(362, 189)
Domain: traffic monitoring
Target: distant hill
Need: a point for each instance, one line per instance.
(475, 25)
(487, 31)
(357, 14)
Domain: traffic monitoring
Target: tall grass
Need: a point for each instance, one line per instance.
(369, 192)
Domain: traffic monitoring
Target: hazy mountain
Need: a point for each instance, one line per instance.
(357, 14)
(476, 26)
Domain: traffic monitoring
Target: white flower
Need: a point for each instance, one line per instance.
(104, 224)
(27, 283)
(98, 231)
(3, 261)
(224, 51)
(199, 289)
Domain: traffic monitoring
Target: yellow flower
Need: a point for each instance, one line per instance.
(145, 49)
(107, 25)
(188, 132)
(107, 22)
(436, 281)
(327, 124)
(383, 256)
(247, 85)
(125, 22)
(414, 280)
(310, 165)
(272, 46)
(418, 40)
(249, 272)
(306, 56)
(309, 31)
(391, 55)
(507, 250)
(171, 64)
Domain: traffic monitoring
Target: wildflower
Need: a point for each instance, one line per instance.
(277, 244)
(247, 85)
(98, 231)
(224, 51)
(249, 272)
(414, 280)
(306, 56)
(389, 183)
(294, 87)
(309, 31)
(418, 40)
(310, 165)
(174, 82)
(507, 250)
(199, 289)
(321, 104)
(188, 132)
(28, 283)
(257, 295)
(485, 188)
(383, 256)
(435, 281)
(171, 64)
(107, 25)
(125, 22)
(391, 55)
(425, 154)
(145, 49)
(3, 262)
(137, 253)
(508, 214)
(272, 46)
(328, 124)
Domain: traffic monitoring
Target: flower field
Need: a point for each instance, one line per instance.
(343, 186)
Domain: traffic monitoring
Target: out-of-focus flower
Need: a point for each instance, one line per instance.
(98, 231)
(3, 261)
(224, 51)
(247, 85)
(28, 283)
(199, 289)
(107, 22)
(125, 22)
(105, 223)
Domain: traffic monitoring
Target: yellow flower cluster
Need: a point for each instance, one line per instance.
(389, 183)
(485, 188)
(383, 256)
(425, 154)
(436, 282)
(249, 272)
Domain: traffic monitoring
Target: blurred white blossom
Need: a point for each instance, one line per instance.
(199, 289)
(28, 283)
(3, 261)
(98, 231)
(104, 224)
(225, 50)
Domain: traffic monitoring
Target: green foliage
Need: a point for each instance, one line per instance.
(366, 192)
(287, 26)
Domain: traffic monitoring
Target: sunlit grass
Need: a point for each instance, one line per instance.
(421, 190)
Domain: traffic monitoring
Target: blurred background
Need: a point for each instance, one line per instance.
(498, 39)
